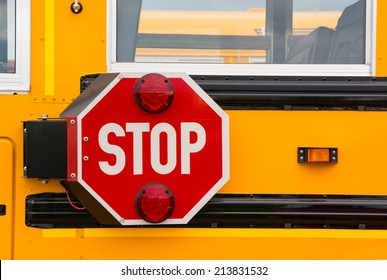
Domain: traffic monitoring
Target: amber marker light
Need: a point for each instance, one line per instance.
(317, 155)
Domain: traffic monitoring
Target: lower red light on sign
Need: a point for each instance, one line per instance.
(155, 203)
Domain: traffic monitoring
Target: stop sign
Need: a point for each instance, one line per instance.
(116, 148)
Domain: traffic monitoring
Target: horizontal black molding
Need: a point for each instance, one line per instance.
(52, 210)
(290, 92)
(296, 93)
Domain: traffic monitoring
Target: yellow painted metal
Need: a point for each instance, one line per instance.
(81, 47)
(6, 197)
(360, 147)
(235, 244)
(264, 152)
(263, 160)
(49, 69)
(143, 243)
(381, 39)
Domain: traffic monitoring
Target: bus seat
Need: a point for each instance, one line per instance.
(348, 42)
(344, 45)
(313, 48)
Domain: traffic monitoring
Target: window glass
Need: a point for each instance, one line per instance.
(15, 27)
(327, 31)
(7, 36)
(241, 31)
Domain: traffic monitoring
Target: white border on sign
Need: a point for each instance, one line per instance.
(225, 149)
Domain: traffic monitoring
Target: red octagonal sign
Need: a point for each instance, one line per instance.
(116, 148)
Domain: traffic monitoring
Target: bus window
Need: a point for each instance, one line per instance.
(14, 46)
(7, 36)
(249, 32)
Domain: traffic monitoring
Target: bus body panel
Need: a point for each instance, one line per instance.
(263, 160)
(6, 197)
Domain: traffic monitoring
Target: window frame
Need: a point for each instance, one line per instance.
(366, 69)
(20, 80)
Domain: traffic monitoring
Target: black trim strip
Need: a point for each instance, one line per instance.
(296, 93)
(52, 210)
(290, 92)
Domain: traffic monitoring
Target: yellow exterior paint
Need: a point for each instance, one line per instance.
(381, 40)
(6, 197)
(264, 144)
(49, 40)
(264, 152)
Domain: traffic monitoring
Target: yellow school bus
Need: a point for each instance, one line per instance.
(303, 84)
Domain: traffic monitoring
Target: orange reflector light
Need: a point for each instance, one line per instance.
(317, 155)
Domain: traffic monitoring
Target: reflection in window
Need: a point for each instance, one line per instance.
(217, 31)
(241, 32)
(324, 34)
(7, 36)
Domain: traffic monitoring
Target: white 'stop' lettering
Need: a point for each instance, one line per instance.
(141, 130)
